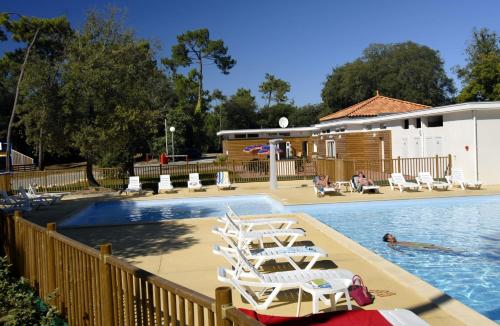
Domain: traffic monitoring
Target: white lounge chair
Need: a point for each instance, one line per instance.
(321, 191)
(134, 185)
(260, 256)
(397, 180)
(35, 201)
(12, 203)
(246, 276)
(222, 180)
(165, 185)
(249, 224)
(426, 179)
(362, 190)
(194, 182)
(55, 196)
(245, 238)
(458, 177)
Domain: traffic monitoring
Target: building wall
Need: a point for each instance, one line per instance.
(362, 145)
(488, 137)
(234, 147)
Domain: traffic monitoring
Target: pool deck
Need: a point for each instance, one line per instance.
(181, 250)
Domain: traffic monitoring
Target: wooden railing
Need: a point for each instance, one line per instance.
(239, 172)
(93, 287)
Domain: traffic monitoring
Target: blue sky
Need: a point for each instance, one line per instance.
(298, 41)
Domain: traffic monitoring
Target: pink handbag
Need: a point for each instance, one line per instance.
(359, 292)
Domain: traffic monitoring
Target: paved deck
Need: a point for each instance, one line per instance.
(181, 250)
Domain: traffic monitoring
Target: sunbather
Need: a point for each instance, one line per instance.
(361, 180)
(393, 243)
(322, 182)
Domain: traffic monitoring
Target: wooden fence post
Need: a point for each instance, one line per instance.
(223, 298)
(449, 164)
(107, 309)
(437, 167)
(399, 164)
(51, 258)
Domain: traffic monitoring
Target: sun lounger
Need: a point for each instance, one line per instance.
(134, 185)
(12, 203)
(35, 201)
(260, 256)
(165, 185)
(396, 317)
(222, 180)
(426, 179)
(56, 196)
(397, 180)
(362, 189)
(458, 177)
(194, 182)
(246, 276)
(321, 191)
(249, 224)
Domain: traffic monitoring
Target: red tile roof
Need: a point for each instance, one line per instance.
(374, 106)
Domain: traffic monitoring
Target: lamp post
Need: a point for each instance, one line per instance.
(172, 129)
(166, 138)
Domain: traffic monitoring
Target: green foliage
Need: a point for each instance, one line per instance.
(307, 115)
(274, 89)
(481, 75)
(240, 110)
(110, 91)
(407, 71)
(19, 305)
(270, 115)
(196, 47)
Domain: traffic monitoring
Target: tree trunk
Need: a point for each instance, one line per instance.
(129, 167)
(90, 175)
(269, 99)
(13, 114)
(41, 164)
(199, 105)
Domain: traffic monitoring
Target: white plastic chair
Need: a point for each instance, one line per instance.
(397, 180)
(426, 179)
(245, 277)
(458, 177)
(222, 180)
(194, 182)
(134, 185)
(165, 185)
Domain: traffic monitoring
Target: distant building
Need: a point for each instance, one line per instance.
(384, 128)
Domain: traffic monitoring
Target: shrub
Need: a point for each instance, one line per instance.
(19, 305)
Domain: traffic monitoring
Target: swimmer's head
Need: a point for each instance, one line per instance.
(389, 238)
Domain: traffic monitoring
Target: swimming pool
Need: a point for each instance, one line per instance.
(141, 211)
(468, 225)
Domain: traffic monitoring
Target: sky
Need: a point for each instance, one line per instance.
(298, 41)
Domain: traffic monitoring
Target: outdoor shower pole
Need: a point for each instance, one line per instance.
(166, 138)
(273, 179)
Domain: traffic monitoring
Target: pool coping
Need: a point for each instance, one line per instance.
(457, 309)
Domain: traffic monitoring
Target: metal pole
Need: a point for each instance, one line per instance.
(173, 151)
(273, 179)
(166, 138)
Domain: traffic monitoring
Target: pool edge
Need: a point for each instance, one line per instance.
(452, 306)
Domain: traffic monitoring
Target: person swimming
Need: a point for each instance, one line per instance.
(393, 243)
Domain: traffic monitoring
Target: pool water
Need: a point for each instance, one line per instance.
(128, 211)
(469, 226)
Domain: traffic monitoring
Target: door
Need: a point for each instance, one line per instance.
(331, 150)
(288, 148)
(438, 146)
(404, 147)
(304, 149)
(417, 147)
(429, 147)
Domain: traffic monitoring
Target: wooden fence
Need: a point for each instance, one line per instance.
(95, 288)
(239, 172)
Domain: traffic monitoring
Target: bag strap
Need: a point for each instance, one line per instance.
(357, 280)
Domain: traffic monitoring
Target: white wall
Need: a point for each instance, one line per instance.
(488, 135)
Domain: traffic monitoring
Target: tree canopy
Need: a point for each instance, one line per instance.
(481, 74)
(406, 71)
(274, 89)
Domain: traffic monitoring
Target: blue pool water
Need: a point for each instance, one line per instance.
(127, 211)
(468, 225)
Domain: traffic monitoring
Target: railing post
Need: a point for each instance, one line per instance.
(449, 164)
(107, 309)
(51, 258)
(399, 164)
(223, 298)
(437, 167)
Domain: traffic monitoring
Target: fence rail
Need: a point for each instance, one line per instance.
(95, 288)
(239, 171)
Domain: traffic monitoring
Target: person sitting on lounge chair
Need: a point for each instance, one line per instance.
(359, 180)
(322, 182)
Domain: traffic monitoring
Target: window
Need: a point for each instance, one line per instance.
(383, 126)
(435, 121)
(252, 135)
(368, 127)
(331, 150)
(239, 136)
(406, 124)
(418, 123)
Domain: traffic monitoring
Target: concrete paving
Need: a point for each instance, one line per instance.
(181, 250)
